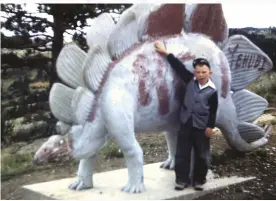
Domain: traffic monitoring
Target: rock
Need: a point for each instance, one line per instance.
(16, 121)
(265, 119)
(33, 147)
(271, 110)
(217, 131)
(15, 147)
(24, 131)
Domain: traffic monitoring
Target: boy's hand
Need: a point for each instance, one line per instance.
(160, 48)
(209, 132)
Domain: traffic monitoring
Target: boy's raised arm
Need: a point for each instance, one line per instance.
(175, 63)
(180, 68)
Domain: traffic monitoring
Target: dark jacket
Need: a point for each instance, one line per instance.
(199, 104)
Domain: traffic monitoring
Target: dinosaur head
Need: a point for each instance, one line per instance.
(54, 149)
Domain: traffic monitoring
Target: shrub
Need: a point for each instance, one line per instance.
(265, 86)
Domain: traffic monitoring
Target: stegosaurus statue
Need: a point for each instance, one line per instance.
(122, 86)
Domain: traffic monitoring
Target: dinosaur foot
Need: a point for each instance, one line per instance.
(168, 164)
(134, 188)
(80, 184)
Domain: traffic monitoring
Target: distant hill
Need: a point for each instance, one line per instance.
(267, 32)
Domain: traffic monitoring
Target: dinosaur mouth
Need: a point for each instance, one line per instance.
(37, 161)
(63, 154)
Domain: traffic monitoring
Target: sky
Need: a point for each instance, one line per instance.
(258, 14)
(238, 14)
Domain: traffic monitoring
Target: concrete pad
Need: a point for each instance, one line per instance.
(159, 185)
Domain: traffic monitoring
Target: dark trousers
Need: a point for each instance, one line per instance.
(190, 137)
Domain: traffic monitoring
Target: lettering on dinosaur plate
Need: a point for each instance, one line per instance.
(243, 60)
(232, 52)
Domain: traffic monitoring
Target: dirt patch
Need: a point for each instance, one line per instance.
(260, 164)
(154, 147)
(225, 162)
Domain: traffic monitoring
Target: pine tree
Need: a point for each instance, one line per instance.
(32, 29)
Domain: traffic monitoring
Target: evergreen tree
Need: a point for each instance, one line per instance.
(32, 29)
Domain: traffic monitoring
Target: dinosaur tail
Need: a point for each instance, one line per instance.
(247, 63)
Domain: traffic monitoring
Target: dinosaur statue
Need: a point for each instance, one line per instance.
(122, 86)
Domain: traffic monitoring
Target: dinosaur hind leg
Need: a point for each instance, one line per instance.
(171, 139)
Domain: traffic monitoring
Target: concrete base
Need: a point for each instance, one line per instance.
(159, 185)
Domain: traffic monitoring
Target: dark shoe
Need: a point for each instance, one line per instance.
(198, 187)
(180, 186)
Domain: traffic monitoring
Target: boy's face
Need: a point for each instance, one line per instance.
(202, 73)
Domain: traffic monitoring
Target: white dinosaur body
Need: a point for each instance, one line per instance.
(134, 89)
(153, 85)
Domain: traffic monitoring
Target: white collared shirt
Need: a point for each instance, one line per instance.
(208, 84)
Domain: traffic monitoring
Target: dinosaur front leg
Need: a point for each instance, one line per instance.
(86, 166)
(134, 159)
(133, 154)
(85, 146)
(118, 110)
(85, 173)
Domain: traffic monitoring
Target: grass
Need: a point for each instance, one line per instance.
(15, 164)
(265, 86)
(6, 83)
(33, 74)
(111, 150)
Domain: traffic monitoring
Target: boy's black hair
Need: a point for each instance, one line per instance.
(201, 61)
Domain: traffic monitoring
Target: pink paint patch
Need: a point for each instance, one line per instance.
(160, 22)
(186, 57)
(136, 46)
(116, 60)
(209, 19)
(163, 98)
(144, 97)
(178, 88)
(142, 72)
(95, 105)
(162, 87)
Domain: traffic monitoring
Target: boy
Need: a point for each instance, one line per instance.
(198, 115)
